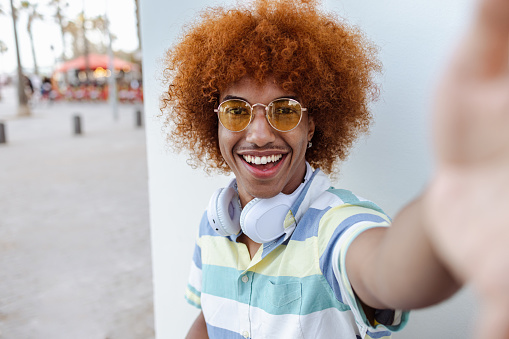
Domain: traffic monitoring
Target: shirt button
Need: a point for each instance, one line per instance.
(245, 279)
(245, 334)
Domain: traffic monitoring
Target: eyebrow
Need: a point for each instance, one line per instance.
(230, 97)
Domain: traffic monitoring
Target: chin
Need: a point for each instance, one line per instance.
(268, 192)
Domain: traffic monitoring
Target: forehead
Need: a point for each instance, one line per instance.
(255, 92)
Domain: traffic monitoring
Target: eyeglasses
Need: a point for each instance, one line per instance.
(282, 114)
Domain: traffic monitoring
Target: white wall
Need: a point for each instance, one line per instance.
(390, 166)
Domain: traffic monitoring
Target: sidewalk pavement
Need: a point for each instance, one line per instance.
(74, 225)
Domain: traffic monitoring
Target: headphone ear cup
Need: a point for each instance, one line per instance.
(245, 212)
(212, 211)
(223, 212)
(262, 220)
(228, 211)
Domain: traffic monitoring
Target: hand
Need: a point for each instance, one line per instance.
(468, 200)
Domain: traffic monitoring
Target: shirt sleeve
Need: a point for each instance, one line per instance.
(338, 229)
(194, 286)
(193, 289)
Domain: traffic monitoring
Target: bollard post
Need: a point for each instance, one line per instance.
(139, 121)
(3, 138)
(77, 124)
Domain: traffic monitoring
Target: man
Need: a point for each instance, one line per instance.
(271, 91)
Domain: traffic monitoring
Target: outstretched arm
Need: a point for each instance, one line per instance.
(458, 231)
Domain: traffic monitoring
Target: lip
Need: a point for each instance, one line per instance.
(266, 174)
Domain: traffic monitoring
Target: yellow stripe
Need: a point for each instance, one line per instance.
(220, 251)
(334, 217)
(193, 297)
(289, 220)
(299, 257)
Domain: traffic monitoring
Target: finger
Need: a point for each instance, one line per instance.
(485, 53)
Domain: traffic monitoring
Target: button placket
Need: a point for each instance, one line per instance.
(244, 296)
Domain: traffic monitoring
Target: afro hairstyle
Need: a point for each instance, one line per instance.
(328, 63)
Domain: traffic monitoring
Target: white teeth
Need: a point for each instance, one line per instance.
(262, 160)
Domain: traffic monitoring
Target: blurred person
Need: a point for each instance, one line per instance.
(94, 92)
(69, 92)
(29, 87)
(46, 88)
(80, 92)
(276, 92)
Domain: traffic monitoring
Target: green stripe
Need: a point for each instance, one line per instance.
(350, 198)
(192, 302)
(193, 290)
(275, 295)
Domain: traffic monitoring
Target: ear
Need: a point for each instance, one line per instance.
(311, 127)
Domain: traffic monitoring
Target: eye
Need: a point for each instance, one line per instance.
(283, 110)
(236, 110)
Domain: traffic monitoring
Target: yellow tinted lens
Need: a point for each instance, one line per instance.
(284, 114)
(234, 114)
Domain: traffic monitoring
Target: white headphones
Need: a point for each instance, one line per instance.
(262, 220)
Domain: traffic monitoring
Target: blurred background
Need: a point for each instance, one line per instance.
(76, 91)
(74, 219)
(71, 50)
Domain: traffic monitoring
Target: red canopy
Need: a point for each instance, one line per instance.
(96, 61)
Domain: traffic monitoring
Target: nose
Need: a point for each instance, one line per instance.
(259, 131)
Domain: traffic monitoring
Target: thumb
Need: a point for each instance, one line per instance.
(486, 49)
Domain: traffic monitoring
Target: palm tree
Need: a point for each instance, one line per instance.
(99, 25)
(23, 108)
(138, 31)
(59, 18)
(3, 49)
(74, 30)
(33, 14)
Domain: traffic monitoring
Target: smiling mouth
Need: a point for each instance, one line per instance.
(263, 163)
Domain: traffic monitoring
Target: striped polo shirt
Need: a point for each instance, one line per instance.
(293, 287)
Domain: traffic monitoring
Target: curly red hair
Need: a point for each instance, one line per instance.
(328, 63)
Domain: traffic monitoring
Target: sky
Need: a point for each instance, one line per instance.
(46, 32)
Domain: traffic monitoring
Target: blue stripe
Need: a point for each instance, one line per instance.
(197, 256)
(308, 225)
(269, 246)
(380, 334)
(303, 193)
(221, 333)
(206, 229)
(326, 264)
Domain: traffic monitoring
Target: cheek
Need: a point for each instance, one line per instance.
(300, 141)
(226, 143)
(222, 142)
